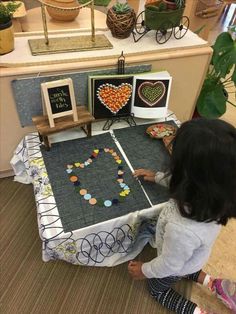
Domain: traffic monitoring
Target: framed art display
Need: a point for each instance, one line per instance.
(143, 95)
(59, 99)
(110, 95)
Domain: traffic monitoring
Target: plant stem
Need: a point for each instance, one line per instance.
(231, 103)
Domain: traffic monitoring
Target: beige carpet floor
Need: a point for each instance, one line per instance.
(222, 264)
(29, 285)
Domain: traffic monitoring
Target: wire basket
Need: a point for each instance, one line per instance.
(155, 20)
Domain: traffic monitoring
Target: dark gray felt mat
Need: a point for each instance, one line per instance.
(99, 178)
(146, 152)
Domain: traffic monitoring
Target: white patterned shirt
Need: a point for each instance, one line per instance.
(183, 245)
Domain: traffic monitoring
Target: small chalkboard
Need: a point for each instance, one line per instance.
(59, 99)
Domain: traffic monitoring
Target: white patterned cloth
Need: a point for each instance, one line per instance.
(108, 243)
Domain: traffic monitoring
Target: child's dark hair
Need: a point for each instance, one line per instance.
(203, 170)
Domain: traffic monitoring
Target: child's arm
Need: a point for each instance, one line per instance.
(178, 249)
(147, 175)
(152, 176)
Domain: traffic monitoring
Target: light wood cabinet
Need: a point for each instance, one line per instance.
(186, 60)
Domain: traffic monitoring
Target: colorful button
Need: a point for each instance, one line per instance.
(92, 201)
(87, 197)
(115, 201)
(73, 178)
(107, 203)
(121, 199)
(123, 193)
(83, 192)
(100, 202)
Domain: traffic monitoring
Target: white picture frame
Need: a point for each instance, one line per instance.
(59, 99)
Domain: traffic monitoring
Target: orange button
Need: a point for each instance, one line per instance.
(92, 201)
(83, 191)
(73, 179)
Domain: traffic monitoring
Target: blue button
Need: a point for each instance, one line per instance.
(87, 197)
(107, 203)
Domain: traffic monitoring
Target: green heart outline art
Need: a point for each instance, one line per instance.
(151, 93)
(79, 188)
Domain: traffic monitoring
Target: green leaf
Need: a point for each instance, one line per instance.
(120, 8)
(233, 78)
(7, 10)
(225, 62)
(211, 102)
(224, 54)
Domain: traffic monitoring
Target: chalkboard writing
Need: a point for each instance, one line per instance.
(60, 99)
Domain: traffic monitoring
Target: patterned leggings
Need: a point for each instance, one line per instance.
(161, 290)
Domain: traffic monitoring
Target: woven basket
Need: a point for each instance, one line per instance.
(103, 3)
(63, 15)
(121, 25)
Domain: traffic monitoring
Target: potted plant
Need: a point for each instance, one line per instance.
(174, 4)
(221, 75)
(157, 16)
(121, 20)
(6, 28)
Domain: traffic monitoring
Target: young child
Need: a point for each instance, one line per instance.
(202, 185)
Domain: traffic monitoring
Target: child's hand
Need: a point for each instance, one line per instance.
(148, 175)
(135, 270)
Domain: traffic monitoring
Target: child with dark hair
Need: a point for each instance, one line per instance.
(202, 185)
